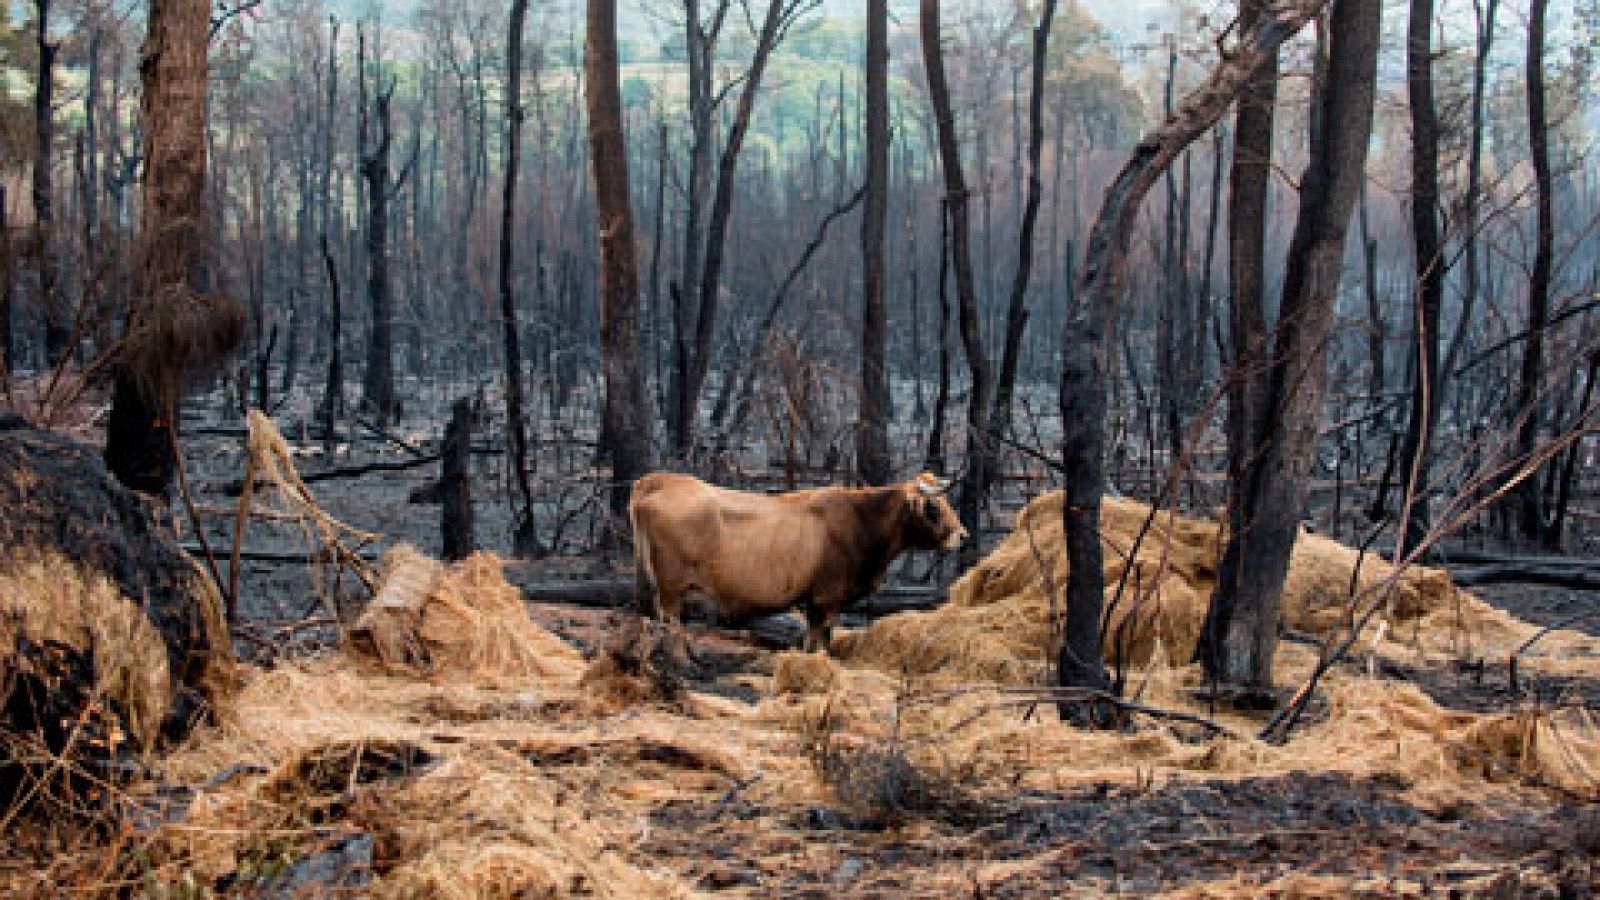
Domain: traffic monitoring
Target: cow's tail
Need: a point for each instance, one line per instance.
(644, 587)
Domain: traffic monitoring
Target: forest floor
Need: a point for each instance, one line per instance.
(573, 757)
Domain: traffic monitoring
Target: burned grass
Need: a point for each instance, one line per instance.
(419, 762)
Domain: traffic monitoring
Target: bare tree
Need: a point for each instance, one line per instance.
(1529, 503)
(377, 383)
(523, 539)
(57, 328)
(1275, 459)
(174, 330)
(1017, 309)
(780, 15)
(1430, 271)
(872, 430)
(1087, 338)
(975, 477)
(626, 414)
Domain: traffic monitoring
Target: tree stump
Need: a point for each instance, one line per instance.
(455, 484)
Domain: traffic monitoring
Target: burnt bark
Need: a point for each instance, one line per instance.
(1528, 499)
(626, 412)
(57, 326)
(1087, 340)
(173, 330)
(377, 381)
(1430, 271)
(975, 477)
(455, 483)
(1241, 632)
(873, 463)
(523, 540)
(1017, 307)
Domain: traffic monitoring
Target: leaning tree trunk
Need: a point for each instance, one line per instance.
(523, 539)
(174, 331)
(969, 502)
(626, 413)
(1430, 268)
(873, 462)
(1275, 458)
(1529, 505)
(1088, 337)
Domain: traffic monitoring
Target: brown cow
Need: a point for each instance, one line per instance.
(760, 554)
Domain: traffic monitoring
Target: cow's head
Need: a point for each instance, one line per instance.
(933, 523)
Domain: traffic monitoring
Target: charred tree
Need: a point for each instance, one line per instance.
(332, 406)
(780, 15)
(1430, 271)
(626, 412)
(700, 43)
(975, 478)
(1484, 14)
(523, 540)
(377, 382)
(1288, 380)
(57, 327)
(873, 463)
(1528, 499)
(1017, 308)
(455, 483)
(174, 331)
(1087, 339)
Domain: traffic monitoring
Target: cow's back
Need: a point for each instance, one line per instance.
(750, 552)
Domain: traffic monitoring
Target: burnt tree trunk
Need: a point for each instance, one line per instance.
(523, 540)
(941, 396)
(57, 326)
(969, 501)
(779, 16)
(333, 388)
(700, 41)
(173, 330)
(1017, 308)
(1249, 185)
(1430, 271)
(873, 463)
(1529, 505)
(1484, 16)
(377, 382)
(8, 281)
(626, 412)
(455, 483)
(1274, 459)
(1087, 339)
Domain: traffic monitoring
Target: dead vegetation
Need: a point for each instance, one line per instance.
(453, 747)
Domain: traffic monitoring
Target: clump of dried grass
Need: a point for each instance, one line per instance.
(461, 619)
(46, 599)
(1000, 622)
(804, 673)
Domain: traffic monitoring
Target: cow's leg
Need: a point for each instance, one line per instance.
(819, 628)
